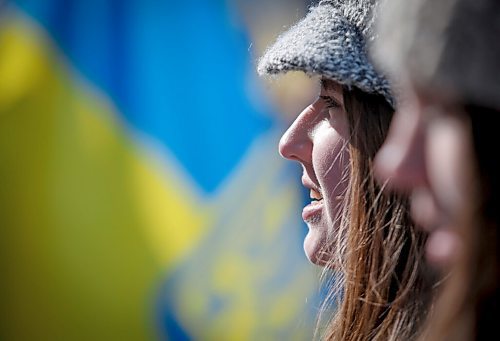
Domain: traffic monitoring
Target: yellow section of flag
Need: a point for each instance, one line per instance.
(88, 223)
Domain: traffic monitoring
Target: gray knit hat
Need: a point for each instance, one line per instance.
(452, 46)
(330, 41)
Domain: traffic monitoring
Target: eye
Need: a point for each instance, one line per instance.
(332, 105)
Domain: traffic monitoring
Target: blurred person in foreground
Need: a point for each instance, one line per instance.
(355, 229)
(444, 58)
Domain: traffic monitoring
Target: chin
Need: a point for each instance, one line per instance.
(314, 247)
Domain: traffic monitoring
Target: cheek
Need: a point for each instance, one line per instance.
(448, 165)
(330, 160)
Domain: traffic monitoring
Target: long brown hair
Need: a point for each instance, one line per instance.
(383, 288)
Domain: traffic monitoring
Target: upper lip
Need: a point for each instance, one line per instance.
(425, 210)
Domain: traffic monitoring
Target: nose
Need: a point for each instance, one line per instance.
(296, 143)
(401, 159)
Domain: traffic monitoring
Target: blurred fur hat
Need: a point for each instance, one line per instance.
(330, 41)
(451, 46)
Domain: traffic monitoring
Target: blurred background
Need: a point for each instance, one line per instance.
(142, 196)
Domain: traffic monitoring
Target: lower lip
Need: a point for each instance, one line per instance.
(312, 212)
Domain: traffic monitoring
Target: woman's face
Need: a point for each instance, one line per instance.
(428, 153)
(317, 140)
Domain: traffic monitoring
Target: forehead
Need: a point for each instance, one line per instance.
(425, 96)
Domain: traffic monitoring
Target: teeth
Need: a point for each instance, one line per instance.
(315, 195)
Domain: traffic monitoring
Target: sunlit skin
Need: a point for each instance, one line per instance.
(427, 154)
(317, 140)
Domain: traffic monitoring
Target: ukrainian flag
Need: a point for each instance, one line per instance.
(141, 195)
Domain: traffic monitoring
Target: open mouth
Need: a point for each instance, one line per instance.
(311, 214)
(315, 196)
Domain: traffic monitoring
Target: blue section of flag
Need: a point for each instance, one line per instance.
(170, 328)
(176, 70)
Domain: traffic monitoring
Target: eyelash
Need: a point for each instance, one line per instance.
(331, 103)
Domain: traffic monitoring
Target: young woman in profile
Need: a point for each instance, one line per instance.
(382, 289)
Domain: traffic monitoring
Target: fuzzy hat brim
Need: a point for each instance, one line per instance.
(325, 43)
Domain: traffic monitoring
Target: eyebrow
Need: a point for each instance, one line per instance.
(329, 85)
(334, 88)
